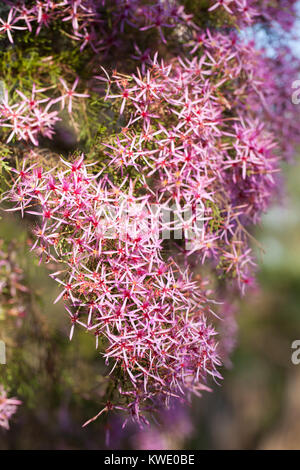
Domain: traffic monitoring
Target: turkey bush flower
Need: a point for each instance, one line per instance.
(201, 122)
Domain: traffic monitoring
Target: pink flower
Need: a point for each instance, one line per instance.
(8, 407)
(70, 94)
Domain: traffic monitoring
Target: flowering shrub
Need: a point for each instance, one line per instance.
(149, 312)
(150, 227)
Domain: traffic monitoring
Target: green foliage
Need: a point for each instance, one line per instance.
(204, 18)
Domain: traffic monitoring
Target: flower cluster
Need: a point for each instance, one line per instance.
(148, 314)
(86, 21)
(35, 114)
(86, 18)
(195, 164)
(246, 11)
(8, 407)
(262, 84)
(181, 136)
